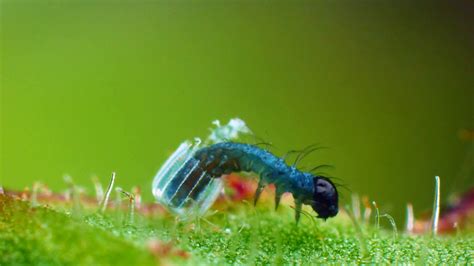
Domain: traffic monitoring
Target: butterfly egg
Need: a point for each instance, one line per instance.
(181, 185)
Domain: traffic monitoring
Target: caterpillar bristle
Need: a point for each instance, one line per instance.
(258, 192)
(278, 193)
(306, 151)
(322, 166)
(264, 144)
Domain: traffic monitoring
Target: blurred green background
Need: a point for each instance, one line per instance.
(91, 87)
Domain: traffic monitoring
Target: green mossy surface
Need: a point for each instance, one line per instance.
(242, 235)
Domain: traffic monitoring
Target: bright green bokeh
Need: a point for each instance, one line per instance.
(116, 86)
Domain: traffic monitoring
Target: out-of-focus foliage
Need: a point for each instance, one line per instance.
(238, 235)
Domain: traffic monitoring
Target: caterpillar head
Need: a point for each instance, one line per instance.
(325, 197)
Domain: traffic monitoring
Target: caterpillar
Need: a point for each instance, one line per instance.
(209, 163)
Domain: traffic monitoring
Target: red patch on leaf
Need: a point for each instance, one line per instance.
(162, 250)
(457, 215)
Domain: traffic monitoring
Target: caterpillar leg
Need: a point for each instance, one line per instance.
(298, 207)
(258, 191)
(278, 194)
(277, 200)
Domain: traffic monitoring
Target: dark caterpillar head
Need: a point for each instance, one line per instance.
(325, 198)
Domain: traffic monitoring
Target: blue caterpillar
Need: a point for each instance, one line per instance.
(224, 158)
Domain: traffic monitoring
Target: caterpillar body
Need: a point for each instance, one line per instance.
(208, 164)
